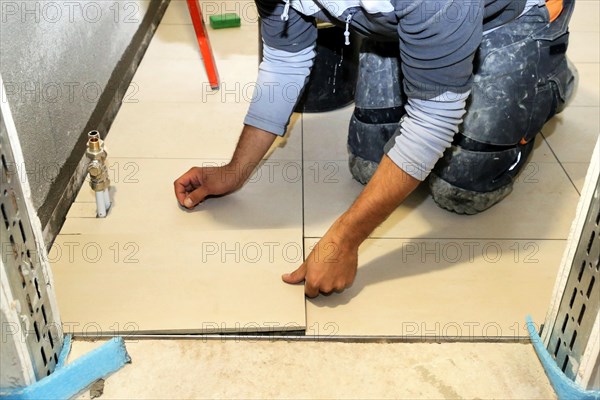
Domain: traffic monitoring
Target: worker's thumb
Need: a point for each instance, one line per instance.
(295, 277)
(195, 197)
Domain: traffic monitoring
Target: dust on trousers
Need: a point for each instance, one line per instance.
(522, 78)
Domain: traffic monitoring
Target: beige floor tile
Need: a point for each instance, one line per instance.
(542, 189)
(179, 41)
(172, 69)
(184, 80)
(142, 194)
(177, 13)
(586, 16)
(584, 47)
(326, 135)
(577, 172)
(318, 370)
(573, 133)
(188, 130)
(588, 90)
(177, 281)
(422, 287)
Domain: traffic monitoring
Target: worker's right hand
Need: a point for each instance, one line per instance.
(195, 185)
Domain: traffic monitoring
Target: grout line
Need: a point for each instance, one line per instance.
(452, 238)
(560, 163)
(303, 212)
(291, 337)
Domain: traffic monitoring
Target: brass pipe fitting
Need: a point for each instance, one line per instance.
(97, 170)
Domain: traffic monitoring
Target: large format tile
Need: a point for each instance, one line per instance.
(584, 47)
(573, 133)
(177, 281)
(185, 80)
(164, 268)
(541, 189)
(188, 130)
(326, 135)
(142, 194)
(577, 173)
(588, 90)
(179, 41)
(178, 13)
(423, 287)
(585, 16)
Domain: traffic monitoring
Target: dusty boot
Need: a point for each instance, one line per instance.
(378, 107)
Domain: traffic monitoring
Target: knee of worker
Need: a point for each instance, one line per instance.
(479, 167)
(471, 181)
(367, 140)
(362, 170)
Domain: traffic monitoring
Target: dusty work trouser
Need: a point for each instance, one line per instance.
(521, 79)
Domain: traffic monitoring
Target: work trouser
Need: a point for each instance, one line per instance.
(521, 79)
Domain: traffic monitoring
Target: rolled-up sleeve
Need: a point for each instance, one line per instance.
(426, 131)
(438, 40)
(288, 56)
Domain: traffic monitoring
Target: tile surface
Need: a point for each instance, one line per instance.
(588, 90)
(142, 192)
(584, 46)
(153, 266)
(572, 134)
(585, 16)
(455, 287)
(169, 269)
(183, 281)
(577, 172)
(188, 130)
(541, 189)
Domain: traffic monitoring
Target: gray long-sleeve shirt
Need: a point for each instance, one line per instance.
(437, 39)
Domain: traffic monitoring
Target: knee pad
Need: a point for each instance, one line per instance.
(378, 98)
(480, 167)
(362, 170)
(471, 179)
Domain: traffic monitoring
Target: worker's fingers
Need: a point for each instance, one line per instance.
(194, 198)
(310, 290)
(180, 192)
(185, 184)
(297, 276)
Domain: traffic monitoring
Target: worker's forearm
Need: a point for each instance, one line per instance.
(388, 187)
(251, 148)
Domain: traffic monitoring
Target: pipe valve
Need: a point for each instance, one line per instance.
(98, 172)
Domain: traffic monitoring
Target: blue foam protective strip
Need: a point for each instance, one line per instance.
(564, 387)
(64, 352)
(71, 379)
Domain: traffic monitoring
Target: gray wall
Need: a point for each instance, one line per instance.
(58, 61)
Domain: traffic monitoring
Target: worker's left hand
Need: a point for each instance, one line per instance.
(330, 267)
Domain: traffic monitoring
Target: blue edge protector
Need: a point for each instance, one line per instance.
(564, 387)
(69, 380)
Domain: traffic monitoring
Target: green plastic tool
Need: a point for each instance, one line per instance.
(228, 20)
